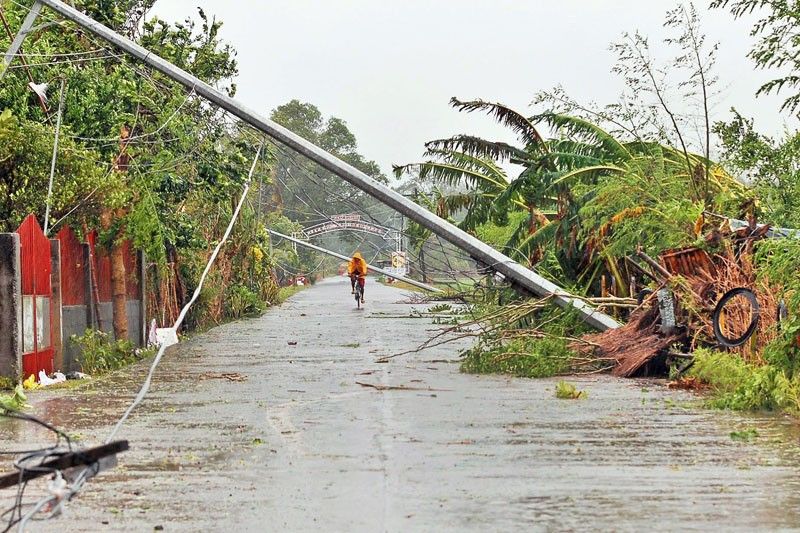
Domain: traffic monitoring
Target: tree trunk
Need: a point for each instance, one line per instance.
(118, 288)
(119, 292)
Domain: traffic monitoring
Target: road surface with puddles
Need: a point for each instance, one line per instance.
(262, 425)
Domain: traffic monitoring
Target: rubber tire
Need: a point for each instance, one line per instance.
(751, 328)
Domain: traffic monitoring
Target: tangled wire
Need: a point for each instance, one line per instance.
(34, 460)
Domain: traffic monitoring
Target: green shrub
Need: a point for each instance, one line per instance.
(738, 385)
(530, 358)
(101, 354)
(539, 349)
(241, 301)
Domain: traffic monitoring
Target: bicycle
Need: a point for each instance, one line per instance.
(359, 290)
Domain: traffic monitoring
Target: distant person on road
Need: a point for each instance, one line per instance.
(357, 270)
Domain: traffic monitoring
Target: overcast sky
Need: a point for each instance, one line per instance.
(389, 67)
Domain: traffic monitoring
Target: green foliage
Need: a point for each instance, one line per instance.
(568, 391)
(522, 358)
(544, 353)
(497, 235)
(584, 199)
(14, 402)
(771, 165)
(775, 48)
(633, 208)
(101, 354)
(778, 261)
(306, 190)
(738, 385)
(25, 153)
(7, 383)
(744, 435)
(240, 302)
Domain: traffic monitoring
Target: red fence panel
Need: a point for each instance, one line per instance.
(37, 337)
(101, 275)
(73, 280)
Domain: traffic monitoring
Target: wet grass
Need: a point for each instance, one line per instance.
(284, 293)
(402, 285)
(738, 385)
(745, 435)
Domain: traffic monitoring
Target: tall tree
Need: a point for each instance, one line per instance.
(172, 155)
(777, 46)
(306, 192)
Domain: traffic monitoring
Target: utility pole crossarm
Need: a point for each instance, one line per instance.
(478, 250)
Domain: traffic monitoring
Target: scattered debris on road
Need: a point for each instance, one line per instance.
(399, 387)
(568, 391)
(230, 376)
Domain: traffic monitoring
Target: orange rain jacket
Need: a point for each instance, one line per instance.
(357, 265)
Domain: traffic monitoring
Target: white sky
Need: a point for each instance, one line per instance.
(389, 67)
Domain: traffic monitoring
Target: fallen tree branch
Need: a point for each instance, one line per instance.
(399, 387)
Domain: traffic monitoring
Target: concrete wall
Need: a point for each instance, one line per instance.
(73, 322)
(135, 326)
(10, 306)
(134, 312)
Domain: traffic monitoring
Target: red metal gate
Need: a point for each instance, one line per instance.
(37, 337)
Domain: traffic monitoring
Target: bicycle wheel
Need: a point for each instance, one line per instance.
(358, 296)
(736, 308)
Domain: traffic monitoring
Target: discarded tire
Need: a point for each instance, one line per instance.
(751, 328)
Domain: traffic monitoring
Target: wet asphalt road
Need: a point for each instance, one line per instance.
(246, 431)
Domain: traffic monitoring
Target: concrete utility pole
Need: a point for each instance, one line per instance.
(16, 44)
(515, 273)
(345, 258)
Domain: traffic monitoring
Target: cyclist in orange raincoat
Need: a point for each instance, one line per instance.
(357, 270)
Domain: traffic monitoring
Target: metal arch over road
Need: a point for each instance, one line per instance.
(517, 274)
(350, 221)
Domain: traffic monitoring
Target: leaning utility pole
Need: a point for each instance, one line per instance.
(515, 273)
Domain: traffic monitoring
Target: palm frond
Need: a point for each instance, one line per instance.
(445, 173)
(523, 245)
(572, 146)
(494, 174)
(592, 172)
(475, 146)
(570, 160)
(506, 116)
(578, 128)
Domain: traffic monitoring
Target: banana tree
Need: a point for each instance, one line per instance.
(572, 188)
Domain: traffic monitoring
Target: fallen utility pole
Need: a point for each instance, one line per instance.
(345, 258)
(516, 274)
(88, 457)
